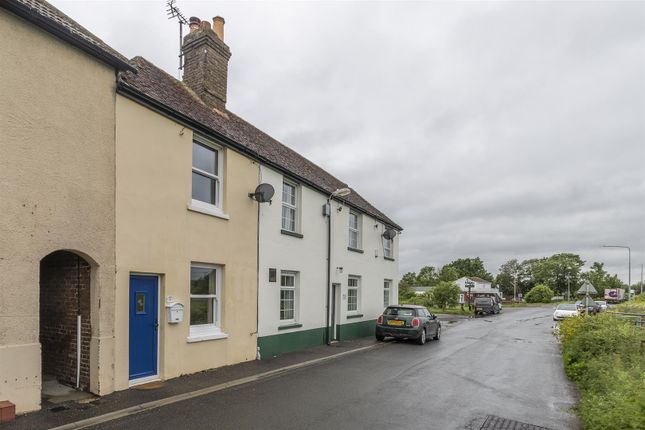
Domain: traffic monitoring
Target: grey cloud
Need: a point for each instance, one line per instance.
(493, 129)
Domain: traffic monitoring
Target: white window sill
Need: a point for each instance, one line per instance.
(205, 208)
(203, 333)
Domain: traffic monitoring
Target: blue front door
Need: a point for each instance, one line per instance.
(143, 326)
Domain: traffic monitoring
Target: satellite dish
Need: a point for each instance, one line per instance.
(389, 234)
(263, 193)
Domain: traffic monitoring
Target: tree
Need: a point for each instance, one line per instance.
(526, 275)
(408, 280)
(613, 282)
(601, 279)
(446, 294)
(448, 273)
(427, 277)
(508, 276)
(597, 275)
(539, 294)
(406, 283)
(556, 269)
(471, 267)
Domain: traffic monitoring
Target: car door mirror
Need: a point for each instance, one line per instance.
(434, 317)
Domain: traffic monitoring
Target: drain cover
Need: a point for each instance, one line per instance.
(497, 423)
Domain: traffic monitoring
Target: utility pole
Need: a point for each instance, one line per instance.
(641, 278)
(515, 289)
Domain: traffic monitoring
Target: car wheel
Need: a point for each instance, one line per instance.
(422, 338)
(380, 338)
(438, 335)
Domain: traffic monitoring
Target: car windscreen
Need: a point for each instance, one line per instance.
(399, 312)
(483, 300)
(567, 307)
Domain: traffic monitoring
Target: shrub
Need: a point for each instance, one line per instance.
(602, 355)
(539, 294)
(446, 294)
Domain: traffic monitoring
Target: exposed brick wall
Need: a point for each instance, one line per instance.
(60, 274)
(206, 66)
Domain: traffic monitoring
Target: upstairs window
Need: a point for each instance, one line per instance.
(289, 207)
(354, 230)
(387, 248)
(207, 182)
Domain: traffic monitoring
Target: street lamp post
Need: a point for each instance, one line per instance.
(568, 288)
(629, 274)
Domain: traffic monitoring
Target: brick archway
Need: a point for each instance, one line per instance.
(64, 294)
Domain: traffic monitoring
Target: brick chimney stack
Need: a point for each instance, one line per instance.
(206, 61)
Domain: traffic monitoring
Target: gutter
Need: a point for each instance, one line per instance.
(126, 90)
(57, 30)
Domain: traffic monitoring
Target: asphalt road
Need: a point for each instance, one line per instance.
(507, 365)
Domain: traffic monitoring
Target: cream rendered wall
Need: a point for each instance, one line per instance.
(56, 192)
(308, 256)
(157, 234)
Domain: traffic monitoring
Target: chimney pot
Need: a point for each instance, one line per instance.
(206, 25)
(194, 23)
(218, 27)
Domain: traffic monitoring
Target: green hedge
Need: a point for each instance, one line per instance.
(603, 355)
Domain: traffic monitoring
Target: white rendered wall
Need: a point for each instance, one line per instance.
(308, 257)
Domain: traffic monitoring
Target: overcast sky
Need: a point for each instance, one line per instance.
(498, 130)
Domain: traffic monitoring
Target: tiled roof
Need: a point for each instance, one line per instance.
(46, 16)
(159, 87)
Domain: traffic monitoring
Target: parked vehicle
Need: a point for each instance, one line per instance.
(486, 305)
(408, 322)
(603, 304)
(592, 308)
(565, 310)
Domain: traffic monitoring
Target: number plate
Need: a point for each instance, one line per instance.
(397, 323)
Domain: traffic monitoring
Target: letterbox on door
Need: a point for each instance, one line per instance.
(175, 313)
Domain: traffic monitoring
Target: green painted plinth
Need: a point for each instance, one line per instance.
(293, 341)
(356, 330)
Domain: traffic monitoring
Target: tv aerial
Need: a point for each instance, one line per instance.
(173, 12)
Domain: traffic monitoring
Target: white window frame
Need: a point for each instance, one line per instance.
(388, 248)
(208, 208)
(295, 207)
(356, 230)
(201, 332)
(293, 288)
(358, 293)
(387, 292)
